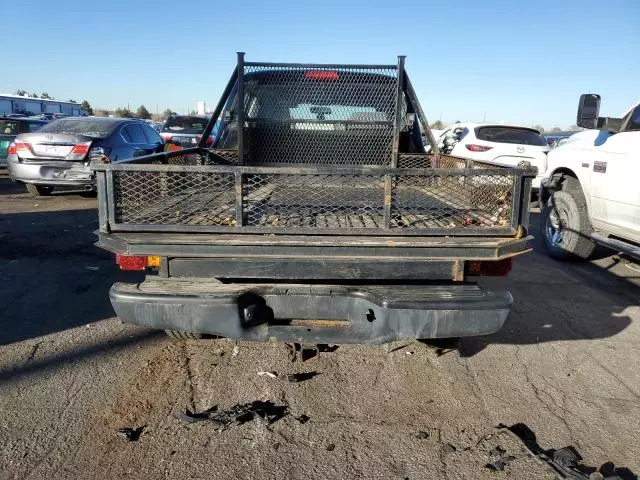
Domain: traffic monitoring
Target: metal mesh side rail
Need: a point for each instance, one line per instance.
(311, 115)
(174, 198)
(456, 202)
(316, 202)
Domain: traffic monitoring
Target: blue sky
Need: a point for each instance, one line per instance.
(512, 61)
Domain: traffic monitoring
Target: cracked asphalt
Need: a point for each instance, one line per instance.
(71, 376)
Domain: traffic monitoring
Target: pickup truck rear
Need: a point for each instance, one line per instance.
(315, 217)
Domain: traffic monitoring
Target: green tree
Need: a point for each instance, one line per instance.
(192, 112)
(124, 113)
(34, 95)
(556, 129)
(143, 113)
(87, 107)
(22, 93)
(45, 96)
(437, 125)
(540, 128)
(166, 114)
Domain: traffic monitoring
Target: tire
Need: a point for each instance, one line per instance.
(565, 225)
(39, 190)
(180, 335)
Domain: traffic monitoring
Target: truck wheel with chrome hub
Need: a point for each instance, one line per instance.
(565, 225)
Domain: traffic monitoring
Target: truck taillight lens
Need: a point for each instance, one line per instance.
(79, 151)
(495, 268)
(477, 148)
(136, 262)
(23, 147)
(12, 149)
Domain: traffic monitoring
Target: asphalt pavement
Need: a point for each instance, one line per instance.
(83, 395)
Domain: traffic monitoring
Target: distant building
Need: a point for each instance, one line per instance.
(201, 108)
(37, 106)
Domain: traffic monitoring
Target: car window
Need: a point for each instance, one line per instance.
(126, 135)
(136, 134)
(185, 124)
(521, 136)
(634, 121)
(151, 134)
(9, 127)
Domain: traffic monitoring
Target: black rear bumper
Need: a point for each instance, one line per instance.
(312, 313)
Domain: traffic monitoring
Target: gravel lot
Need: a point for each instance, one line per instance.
(71, 375)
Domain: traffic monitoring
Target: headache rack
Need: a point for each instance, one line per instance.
(331, 165)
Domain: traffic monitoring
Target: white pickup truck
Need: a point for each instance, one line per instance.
(591, 189)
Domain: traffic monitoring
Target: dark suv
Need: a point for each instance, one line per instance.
(10, 127)
(184, 131)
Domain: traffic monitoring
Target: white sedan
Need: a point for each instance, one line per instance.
(496, 144)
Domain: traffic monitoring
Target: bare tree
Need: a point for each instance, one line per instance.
(540, 128)
(574, 128)
(21, 93)
(437, 125)
(556, 129)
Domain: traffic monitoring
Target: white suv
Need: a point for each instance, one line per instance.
(496, 144)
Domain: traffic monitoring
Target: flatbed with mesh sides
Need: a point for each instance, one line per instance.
(318, 217)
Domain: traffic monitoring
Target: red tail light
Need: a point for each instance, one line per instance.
(210, 141)
(80, 149)
(477, 148)
(321, 75)
(131, 262)
(23, 147)
(496, 268)
(166, 138)
(136, 262)
(12, 149)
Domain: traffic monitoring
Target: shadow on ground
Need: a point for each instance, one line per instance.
(559, 301)
(52, 277)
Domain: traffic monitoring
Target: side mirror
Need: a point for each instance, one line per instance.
(588, 110)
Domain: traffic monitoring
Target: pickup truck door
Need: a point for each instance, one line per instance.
(615, 171)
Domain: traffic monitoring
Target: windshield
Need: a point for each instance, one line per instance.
(185, 124)
(521, 136)
(96, 128)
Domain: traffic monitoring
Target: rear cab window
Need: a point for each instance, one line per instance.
(517, 135)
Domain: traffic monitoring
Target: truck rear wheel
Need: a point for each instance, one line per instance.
(39, 190)
(566, 228)
(180, 335)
